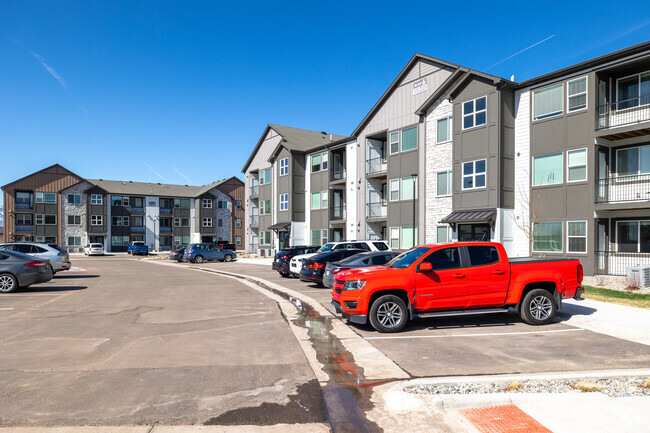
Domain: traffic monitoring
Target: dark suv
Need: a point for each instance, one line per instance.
(313, 268)
(281, 261)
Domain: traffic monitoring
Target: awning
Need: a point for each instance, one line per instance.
(471, 216)
(280, 226)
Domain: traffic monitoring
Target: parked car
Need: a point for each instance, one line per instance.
(313, 268)
(198, 253)
(59, 259)
(177, 254)
(281, 260)
(372, 258)
(226, 245)
(295, 265)
(94, 250)
(20, 270)
(138, 247)
(456, 279)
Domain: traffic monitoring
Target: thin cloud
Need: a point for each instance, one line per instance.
(626, 32)
(519, 52)
(178, 172)
(51, 70)
(157, 174)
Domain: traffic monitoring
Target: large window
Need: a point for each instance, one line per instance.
(444, 183)
(119, 241)
(46, 197)
(547, 169)
(207, 203)
(137, 221)
(474, 173)
(74, 198)
(119, 201)
(315, 237)
(137, 202)
(96, 199)
(23, 219)
(633, 161)
(547, 237)
(315, 163)
(120, 220)
(96, 220)
(576, 165)
(24, 199)
(576, 236)
(409, 188)
(265, 176)
(475, 112)
(633, 91)
(547, 102)
(315, 200)
(182, 203)
(443, 234)
(284, 202)
(394, 142)
(444, 130)
(74, 241)
(284, 166)
(74, 220)
(409, 138)
(408, 234)
(577, 94)
(633, 236)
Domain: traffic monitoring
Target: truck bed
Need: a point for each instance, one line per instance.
(524, 260)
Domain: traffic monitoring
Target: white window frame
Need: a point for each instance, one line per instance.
(392, 238)
(49, 224)
(473, 175)
(449, 233)
(97, 220)
(177, 222)
(561, 238)
(323, 236)
(74, 217)
(450, 188)
(586, 165)
(561, 170)
(40, 217)
(74, 199)
(638, 225)
(96, 199)
(391, 190)
(409, 181)
(284, 166)
(401, 139)
(586, 93)
(473, 113)
(585, 237)
(324, 161)
(449, 129)
(207, 222)
(532, 106)
(638, 95)
(311, 202)
(638, 168)
(324, 200)
(207, 203)
(391, 142)
(311, 163)
(284, 202)
(237, 222)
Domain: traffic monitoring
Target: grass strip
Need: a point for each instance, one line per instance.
(639, 300)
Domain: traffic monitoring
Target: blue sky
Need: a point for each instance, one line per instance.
(180, 91)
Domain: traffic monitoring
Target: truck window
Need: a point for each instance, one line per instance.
(481, 255)
(380, 246)
(407, 258)
(361, 246)
(447, 258)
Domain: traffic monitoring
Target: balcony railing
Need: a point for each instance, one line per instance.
(24, 227)
(22, 206)
(624, 112)
(255, 220)
(337, 213)
(623, 189)
(616, 263)
(376, 165)
(338, 174)
(255, 191)
(137, 210)
(137, 229)
(165, 229)
(376, 210)
(165, 211)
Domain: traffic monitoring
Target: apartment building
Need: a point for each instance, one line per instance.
(55, 205)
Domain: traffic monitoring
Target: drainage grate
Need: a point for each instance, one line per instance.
(503, 419)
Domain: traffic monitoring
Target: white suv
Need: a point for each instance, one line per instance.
(369, 245)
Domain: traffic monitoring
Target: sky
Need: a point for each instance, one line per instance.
(181, 91)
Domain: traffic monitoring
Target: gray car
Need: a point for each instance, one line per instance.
(20, 270)
(372, 258)
(58, 257)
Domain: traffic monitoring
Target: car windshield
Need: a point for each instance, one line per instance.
(407, 258)
(96, 245)
(138, 243)
(325, 248)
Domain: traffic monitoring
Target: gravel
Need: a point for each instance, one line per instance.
(612, 283)
(611, 386)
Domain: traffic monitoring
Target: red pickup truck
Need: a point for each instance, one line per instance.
(455, 279)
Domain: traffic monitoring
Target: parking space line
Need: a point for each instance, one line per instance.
(25, 295)
(491, 334)
(7, 308)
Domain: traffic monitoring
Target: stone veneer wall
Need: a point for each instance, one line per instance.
(68, 230)
(224, 232)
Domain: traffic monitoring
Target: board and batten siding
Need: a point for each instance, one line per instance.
(521, 212)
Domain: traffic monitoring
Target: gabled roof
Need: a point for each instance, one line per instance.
(57, 166)
(440, 91)
(144, 188)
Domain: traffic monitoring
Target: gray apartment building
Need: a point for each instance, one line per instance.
(55, 205)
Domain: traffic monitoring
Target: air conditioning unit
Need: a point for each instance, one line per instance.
(639, 275)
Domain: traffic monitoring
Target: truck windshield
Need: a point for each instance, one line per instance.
(407, 258)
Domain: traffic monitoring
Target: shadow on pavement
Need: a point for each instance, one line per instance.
(63, 277)
(52, 289)
(569, 310)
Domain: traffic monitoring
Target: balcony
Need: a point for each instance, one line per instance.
(624, 113)
(254, 221)
(377, 210)
(255, 191)
(337, 213)
(623, 189)
(165, 211)
(23, 206)
(24, 228)
(165, 229)
(338, 174)
(137, 229)
(137, 210)
(616, 263)
(376, 166)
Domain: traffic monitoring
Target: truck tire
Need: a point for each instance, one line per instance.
(8, 283)
(538, 307)
(198, 259)
(388, 314)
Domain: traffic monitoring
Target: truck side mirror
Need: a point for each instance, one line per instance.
(425, 267)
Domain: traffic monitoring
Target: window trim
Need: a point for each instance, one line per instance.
(284, 202)
(401, 138)
(586, 237)
(391, 238)
(449, 232)
(586, 93)
(311, 203)
(532, 105)
(284, 166)
(73, 202)
(390, 142)
(73, 223)
(450, 188)
(95, 201)
(474, 112)
(449, 129)
(638, 223)
(390, 189)
(638, 170)
(533, 170)
(415, 184)
(586, 165)
(638, 94)
(97, 218)
(473, 175)
(206, 222)
(532, 246)
(206, 203)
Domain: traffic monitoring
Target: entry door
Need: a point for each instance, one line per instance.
(337, 235)
(284, 239)
(473, 232)
(445, 287)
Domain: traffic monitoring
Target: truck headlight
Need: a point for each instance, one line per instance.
(354, 285)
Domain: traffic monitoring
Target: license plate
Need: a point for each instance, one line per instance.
(327, 273)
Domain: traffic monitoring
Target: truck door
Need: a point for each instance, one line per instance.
(446, 286)
(489, 276)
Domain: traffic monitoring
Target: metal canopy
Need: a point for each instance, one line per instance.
(280, 226)
(471, 216)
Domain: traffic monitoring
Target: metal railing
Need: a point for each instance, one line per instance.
(139, 229)
(165, 211)
(24, 227)
(137, 210)
(337, 213)
(616, 263)
(255, 191)
(255, 220)
(623, 188)
(377, 209)
(165, 229)
(624, 112)
(376, 165)
(23, 206)
(338, 174)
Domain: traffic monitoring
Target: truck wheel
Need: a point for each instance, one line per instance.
(198, 259)
(228, 258)
(8, 283)
(538, 307)
(388, 314)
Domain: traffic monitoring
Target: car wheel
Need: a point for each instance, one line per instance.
(198, 259)
(284, 274)
(388, 314)
(8, 283)
(227, 258)
(538, 307)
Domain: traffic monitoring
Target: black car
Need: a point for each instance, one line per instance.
(282, 259)
(226, 245)
(177, 254)
(312, 269)
(372, 258)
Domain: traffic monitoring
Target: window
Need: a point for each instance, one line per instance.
(633, 161)
(220, 222)
(137, 221)
(238, 222)
(633, 91)
(166, 203)
(207, 203)
(24, 199)
(74, 198)
(238, 204)
(117, 200)
(284, 202)
(315, 200)
(315, 163)
(49, 239)
(633, 236)
(165, 222)
(284, 166)
(547, 169)
(177, 240)
(324, 161)
(74, 220)
(474, 174)
(407, 236)
(323, 237)
(46, 197)
(137, 202)
(23, 219)
(315, 237)
(265, 238)
(119, 241)
(181, 222)
(394, 142)
(444, 183)
(267, 207)
(394, 238)
(207, 222)
(547, 237)
(394, 189)
(547, 102)
(577, 94)
(444, 130)
(446, 258)
(222, 204)
(181, 203)
(443, 234)
(237, 240)
(165, 241)
(409, 188)
(266, 175)
(483, 255)
(74, 241)
(96, 199)
(177, 222)
(576, 236)
(96, 220)
(120, 220)
(49, 220)
(576, 165)
(323, 201)
(475, 112)
(39, 220)
(410, 138)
